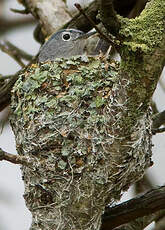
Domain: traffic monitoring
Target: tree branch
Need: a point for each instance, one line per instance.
(103, 36)
(138, 46)
(143, 222)
(18, 52)
(108, 17)
(158, 120)
(6, 87)
(124, 7)
(51, 14)
(82, 23)
(138, 224)
(158, 130)
(6, 24)
(137, 9)
(5, 90)
(160, 221)
(143, 185)
(79, 21)
(146, 204)
(121, 7)
(12, 53)
(15, 159)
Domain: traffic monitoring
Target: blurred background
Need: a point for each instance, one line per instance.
(13, 212)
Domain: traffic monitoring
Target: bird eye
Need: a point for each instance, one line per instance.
(66, 36)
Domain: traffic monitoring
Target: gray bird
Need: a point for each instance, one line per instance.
(64, 44)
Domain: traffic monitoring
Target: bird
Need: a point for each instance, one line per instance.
(64, 44)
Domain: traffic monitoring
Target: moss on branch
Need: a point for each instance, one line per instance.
(145, 32)
(142, 54)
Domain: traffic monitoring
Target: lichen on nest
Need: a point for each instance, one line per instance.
(69, 117)
(62, 104)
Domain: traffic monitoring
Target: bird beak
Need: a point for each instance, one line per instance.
(85, 35)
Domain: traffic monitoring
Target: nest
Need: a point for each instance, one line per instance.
(69, 117)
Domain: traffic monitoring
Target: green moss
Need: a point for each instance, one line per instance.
(145, 32)
(142, 51)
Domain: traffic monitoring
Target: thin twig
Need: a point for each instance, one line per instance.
(6, 24)
(4, 77)
(78, 6)
(15, 159)
(12, 54)
(19, 52)
(5, 90)
(25, 11)
(158, 120)
(82, 23)
(159, 130)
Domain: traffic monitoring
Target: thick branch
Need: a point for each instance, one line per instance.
(142, 222)
(139, 6)
(109, 17)
(146, 204)
(139, 223)
(80, 22)
(51, 14)
(160, 221)
(141, 48)
(121, 7)
(124, 7)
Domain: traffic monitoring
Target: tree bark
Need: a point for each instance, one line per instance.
(50, 14)
(85, 125)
